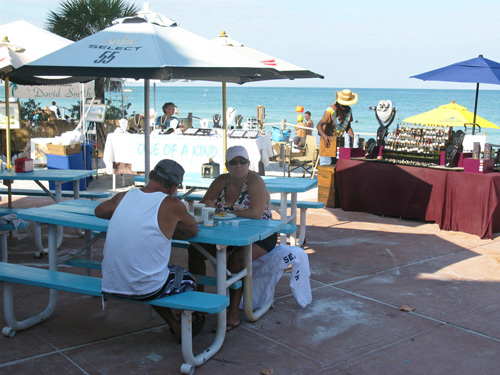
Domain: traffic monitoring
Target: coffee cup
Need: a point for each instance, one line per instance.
(208, 216)
(198, 212)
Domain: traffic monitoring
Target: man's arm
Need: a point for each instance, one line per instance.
(106, 209)
(349, 127)
(186, 226)
(175, 221)
(321, 129)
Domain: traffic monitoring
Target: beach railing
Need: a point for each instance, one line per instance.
(284, 124)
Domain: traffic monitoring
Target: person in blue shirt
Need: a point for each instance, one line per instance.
(168, 120)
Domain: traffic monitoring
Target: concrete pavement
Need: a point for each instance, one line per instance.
(364, 268)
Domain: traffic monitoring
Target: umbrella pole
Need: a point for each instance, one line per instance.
(7, 129)
(224, 126)
(7, 141)
(82, 87)
(146, 132)
(475, 109)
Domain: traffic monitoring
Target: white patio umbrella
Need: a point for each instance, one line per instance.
(289, 70)
(27, 43)
(148, 46)
(22, 43)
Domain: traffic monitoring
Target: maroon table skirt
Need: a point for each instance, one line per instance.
(459, 201)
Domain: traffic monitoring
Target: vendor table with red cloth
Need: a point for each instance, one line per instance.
(455, 200)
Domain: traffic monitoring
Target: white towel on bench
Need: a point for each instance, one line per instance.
(11, 219)
(268, 269)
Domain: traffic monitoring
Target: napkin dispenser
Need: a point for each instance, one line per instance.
(210, 169)
(23, 165)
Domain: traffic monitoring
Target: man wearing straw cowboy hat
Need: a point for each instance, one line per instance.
(337, 119)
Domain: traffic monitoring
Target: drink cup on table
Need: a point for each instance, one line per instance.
(208, 216)
(198, 212)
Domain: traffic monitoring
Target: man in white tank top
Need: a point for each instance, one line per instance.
(138, 241)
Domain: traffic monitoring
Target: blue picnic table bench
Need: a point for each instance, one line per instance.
(80, 214)
(88, 194)
(188, 302)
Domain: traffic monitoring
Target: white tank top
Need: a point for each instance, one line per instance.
(136, 252)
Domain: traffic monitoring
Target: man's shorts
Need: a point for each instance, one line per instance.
(179, 280)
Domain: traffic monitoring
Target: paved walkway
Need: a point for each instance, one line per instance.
(364, 269)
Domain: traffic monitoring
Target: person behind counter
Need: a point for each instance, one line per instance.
(168, 120)
(142, 223)
(337, 119)
(243, 193)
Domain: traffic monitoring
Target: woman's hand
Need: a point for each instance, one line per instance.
(210, 203)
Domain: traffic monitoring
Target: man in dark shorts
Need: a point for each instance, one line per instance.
(139, 241)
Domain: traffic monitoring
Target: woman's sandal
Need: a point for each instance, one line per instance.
(229, 327)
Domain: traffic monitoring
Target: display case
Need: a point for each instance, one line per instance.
(416, 144)
(327, 186)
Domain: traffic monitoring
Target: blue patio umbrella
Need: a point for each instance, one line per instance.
(477, 70)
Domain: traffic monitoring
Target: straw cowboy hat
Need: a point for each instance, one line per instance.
(346, 97)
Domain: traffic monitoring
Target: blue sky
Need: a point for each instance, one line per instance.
(372, 44)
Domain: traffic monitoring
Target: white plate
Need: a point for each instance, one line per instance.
(228, 216)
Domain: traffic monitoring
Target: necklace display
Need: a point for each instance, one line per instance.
(137, 120)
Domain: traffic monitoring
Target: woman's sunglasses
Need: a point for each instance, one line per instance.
(241, 161)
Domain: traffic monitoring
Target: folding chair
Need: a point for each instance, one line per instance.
(306, 160)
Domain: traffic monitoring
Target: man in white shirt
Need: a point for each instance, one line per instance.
(55, 109)
(139, 241)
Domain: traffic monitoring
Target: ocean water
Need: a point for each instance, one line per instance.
(281, 102)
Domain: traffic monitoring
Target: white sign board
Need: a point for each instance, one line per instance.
(14, 115)
(69, 91)
(97, 112)
(191, 153)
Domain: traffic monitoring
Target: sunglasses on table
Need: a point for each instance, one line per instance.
(235, 162)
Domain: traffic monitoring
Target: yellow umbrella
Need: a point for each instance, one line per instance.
(450, 115)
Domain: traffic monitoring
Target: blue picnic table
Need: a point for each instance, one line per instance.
(80, 214)
(284, 185)
(58, 176)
